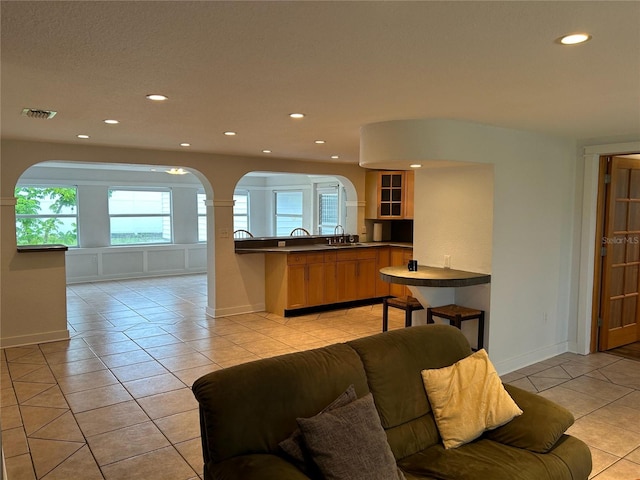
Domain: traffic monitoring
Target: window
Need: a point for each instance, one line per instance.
(241, 210)
(139, 216)
(46, 215)
(328, 209)
(288, 211)
(202, 217)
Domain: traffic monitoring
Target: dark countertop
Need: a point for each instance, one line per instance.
(433, 277)
(320, 247)
(42, 248)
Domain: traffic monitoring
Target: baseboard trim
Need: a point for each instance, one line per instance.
(515, 363)
(225, 312)
(22, 340)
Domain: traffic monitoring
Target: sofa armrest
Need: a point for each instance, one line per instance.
(259, 466)
(539, 427)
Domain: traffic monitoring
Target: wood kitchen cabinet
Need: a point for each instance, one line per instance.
(299, 280)
(356, 274)
(399, 257)
(389, 194)
(383, 259)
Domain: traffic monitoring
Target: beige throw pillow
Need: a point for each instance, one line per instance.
(467, 399)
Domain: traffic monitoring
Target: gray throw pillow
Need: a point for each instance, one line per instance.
(349, 443)
(294, 446)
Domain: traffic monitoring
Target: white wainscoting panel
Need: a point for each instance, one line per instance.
(114, 263)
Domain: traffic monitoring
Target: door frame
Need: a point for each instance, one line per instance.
(580, 337)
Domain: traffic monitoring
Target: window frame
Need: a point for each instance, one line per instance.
(43, 186)
(139, 215)
(244, 193)
(287, 215)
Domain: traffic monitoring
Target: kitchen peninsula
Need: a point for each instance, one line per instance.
(320, 273)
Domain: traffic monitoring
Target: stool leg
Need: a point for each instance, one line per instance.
(385, 315)
(481, 331)
(407, 317)
(429, 315)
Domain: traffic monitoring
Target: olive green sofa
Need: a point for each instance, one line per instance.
(248, 409)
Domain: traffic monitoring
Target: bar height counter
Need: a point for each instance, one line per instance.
(433, 277)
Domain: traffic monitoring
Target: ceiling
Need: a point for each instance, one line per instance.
(244, 66)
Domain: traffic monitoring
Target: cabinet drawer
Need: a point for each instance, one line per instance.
(296, 258)
(365, 253)
(330, 257)
(315, 258)
(344, 255)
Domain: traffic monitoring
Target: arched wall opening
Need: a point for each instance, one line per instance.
(318, 203)
(126, 221)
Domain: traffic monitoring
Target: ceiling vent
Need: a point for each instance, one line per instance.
(36, 113)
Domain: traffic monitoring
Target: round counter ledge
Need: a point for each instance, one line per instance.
(433, 277)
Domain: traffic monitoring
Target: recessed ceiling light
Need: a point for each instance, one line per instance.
(335, 157)
(156, 97)
(574, 38)
(319, 142)
(185, 144)
(176, 171)
(111, 121)
(82, 136)
(266, 151)
(296, 115)
(415, 165)
(229, 134)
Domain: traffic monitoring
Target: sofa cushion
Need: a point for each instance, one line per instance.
(260, 466)
(393, 362)
(467, 399)
(538, 428)
(486, 459)
(250, 408)
(349, 443)
(294, 445)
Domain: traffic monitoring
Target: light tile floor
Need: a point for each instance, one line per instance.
(114, 402)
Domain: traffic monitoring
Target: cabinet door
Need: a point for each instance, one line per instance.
(391, 194)
(297, 286)
(315, 284)
(330, 282)
(347, 280)
(383, 260)
(408, 194)
(366, 278)
(400, 257)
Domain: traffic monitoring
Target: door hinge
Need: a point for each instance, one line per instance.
(607, 179)
(603, 251)
(599, 321)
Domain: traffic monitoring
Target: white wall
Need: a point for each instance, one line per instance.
(532, 234)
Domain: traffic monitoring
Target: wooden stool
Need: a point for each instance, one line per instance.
(457, 315)
(408, 304)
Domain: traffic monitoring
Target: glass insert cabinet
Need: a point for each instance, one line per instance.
(393, 194)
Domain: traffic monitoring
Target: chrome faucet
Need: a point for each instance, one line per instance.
(335, 233)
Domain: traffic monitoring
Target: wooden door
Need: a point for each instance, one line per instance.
(619, 301)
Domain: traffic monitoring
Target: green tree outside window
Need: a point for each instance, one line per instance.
(46, 215)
